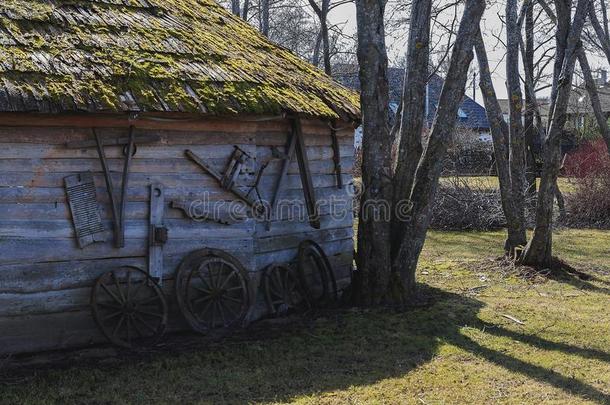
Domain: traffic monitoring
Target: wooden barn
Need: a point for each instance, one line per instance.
(162, 166)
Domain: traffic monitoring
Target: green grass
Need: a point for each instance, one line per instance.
(565, 184)
(461, 349)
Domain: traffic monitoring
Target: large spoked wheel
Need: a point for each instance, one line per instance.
(283, 291)
(129, 307)
(212, 291)
(316, 274)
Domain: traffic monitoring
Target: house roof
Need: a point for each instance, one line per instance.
(475, 114)
(471, 114)
(153, 55)
(579, 100)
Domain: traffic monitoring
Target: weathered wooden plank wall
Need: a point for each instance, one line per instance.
(45, 279)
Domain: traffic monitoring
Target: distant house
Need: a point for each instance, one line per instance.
(471, 115)
(580, 108)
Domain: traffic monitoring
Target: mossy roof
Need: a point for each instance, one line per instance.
(154, 56)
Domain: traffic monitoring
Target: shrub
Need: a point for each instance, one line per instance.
(589, 204)
(460, 206)
(589, 159)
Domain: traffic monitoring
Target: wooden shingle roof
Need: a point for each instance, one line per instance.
(154, 56)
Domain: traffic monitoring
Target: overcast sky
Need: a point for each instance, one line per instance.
(491, 23)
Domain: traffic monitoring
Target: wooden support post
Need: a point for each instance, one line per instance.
(157, 234)
(306, 180)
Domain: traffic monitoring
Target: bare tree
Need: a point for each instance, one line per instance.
(591, 87)
(430, 165)
(411, 122)
(374, 259)
(388, 255)
(321, 11)
(500, 136)
(539, 251)
(516, 154)
(235, 7)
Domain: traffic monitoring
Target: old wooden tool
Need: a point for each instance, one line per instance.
(236, 164)
(158, 234)
(296, 144)
(287, 158)
(118, 206)
(222, 179)
(80, 189)
(306, 179)
(336, 154)
(196, 211)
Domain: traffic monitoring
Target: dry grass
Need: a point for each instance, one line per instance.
(464, 348)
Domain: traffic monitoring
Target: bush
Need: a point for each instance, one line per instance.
(589, 204)
(460, 206)
(589, 159)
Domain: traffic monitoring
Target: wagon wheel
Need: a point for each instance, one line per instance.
(129, 307)
(316, 274)
(212, 291)
(282, 289)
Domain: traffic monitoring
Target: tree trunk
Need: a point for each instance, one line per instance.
(531, 129)
(373, 256)
(539, 252)
(235, 7)
(245, 10)
(431, 163)
(322, 13)
(516, 151)
(591, 87)
(499, 133)
(264, 19)
(411, 125)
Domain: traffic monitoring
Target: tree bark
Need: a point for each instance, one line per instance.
(322, 13)
(499, 133)
(412, 119)
(539, 252)
(602, 121)
(430, 165)
(516, 151)
(601, 32)
(264, 19)
(531, 129)
(235, 7)
(373, 256)
(245, 10)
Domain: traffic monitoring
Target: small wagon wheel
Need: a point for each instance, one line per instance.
(212, 291)
(129, 307)
(282, 289)
(316, 274)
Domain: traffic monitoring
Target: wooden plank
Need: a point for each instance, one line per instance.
(183, 122)
(162, 166)
(40, 154)
(282, 242)
(33, 250)
(47, 332)
(138, 194)
(336, 248)
(46, 180)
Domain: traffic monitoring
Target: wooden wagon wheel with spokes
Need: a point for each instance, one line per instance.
(129, 307)
(212, 291)
(282, 289)
(316, 274)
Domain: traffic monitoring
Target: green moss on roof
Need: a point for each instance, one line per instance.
(152, 55)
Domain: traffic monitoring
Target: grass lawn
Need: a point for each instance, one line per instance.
(489, 336)
(565, 184)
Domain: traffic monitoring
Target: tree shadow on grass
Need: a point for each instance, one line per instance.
(564, 273)
(336, 350)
